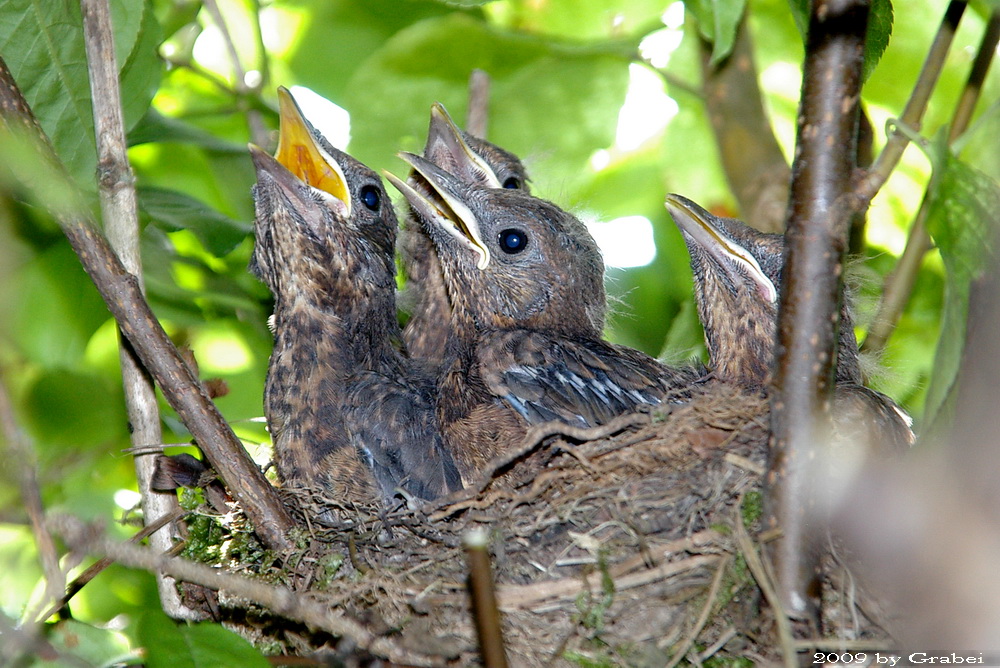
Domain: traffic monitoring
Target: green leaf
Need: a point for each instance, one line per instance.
(964, 212)
(56, 308)
(550, 103)
(169, 645)
(42, 44)
(879, 30)
(171, 210)
(880, 18)
(582, 19)
(800, 12)
(717, 23)
(89, 409)
(88, 644)
(155, 127)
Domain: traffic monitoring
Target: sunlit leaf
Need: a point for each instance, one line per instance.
(42, 44)
(550, 103)
(88, 644)
(581, 19)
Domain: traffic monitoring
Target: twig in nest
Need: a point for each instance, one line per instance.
(713, 591)
(279, 600)
(532, 439)
(519, 597)
(484, 600)
(766, 585)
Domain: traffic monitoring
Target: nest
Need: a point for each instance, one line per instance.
(633, 546)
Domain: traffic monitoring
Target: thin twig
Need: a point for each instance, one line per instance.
(713, 591)
(21, 454)
(532, 439)
(279, 600)
(158, 354)
(766, 584)
(121, 224)
(484, 600)
(84, 578)
(257, 131)
(899, 284)
(915, 107)
(478, 116)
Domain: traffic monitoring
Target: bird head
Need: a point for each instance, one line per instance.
(321, 216)
(470, 158)
(509, 259)
(737, 276)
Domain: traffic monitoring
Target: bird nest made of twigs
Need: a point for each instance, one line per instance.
(633, 544)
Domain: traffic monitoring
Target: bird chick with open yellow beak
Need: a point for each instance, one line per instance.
(348, 414)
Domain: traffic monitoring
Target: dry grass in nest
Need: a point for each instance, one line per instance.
(626, 549)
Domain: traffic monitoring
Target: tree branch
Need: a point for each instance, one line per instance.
(477, 118)
(899, 284)
(279, 600)
(121, 224)
(156, 351)
(913, 113)
(816, 238)
(21, 454)
(751, 158)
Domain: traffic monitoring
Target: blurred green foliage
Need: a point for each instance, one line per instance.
(561, 72)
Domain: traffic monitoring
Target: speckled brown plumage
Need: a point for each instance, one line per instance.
(472, 160)
(525, 280)
(347, 412)
(737, 275)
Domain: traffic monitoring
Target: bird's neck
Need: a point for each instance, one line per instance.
(359, 330)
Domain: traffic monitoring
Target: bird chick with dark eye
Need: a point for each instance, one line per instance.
(473, 160)
(526, 285)
(737, 275)
(347, 413)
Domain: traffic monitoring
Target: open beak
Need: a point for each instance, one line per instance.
(299, 153)
(443, 207)
(698, 225)
(447, 148)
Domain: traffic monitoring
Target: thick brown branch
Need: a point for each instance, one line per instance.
(819, 215)
(751, 158)
(156, 351)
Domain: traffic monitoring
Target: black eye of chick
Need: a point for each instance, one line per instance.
(512, 241)
(370, 197)
(512, 183)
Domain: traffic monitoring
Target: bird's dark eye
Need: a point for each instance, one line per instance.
(370, 197)
(512, 241)
(512, 183)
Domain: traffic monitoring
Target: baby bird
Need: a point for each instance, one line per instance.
(347, 413)
(737, 275)
(525, 282)
(472, 160)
